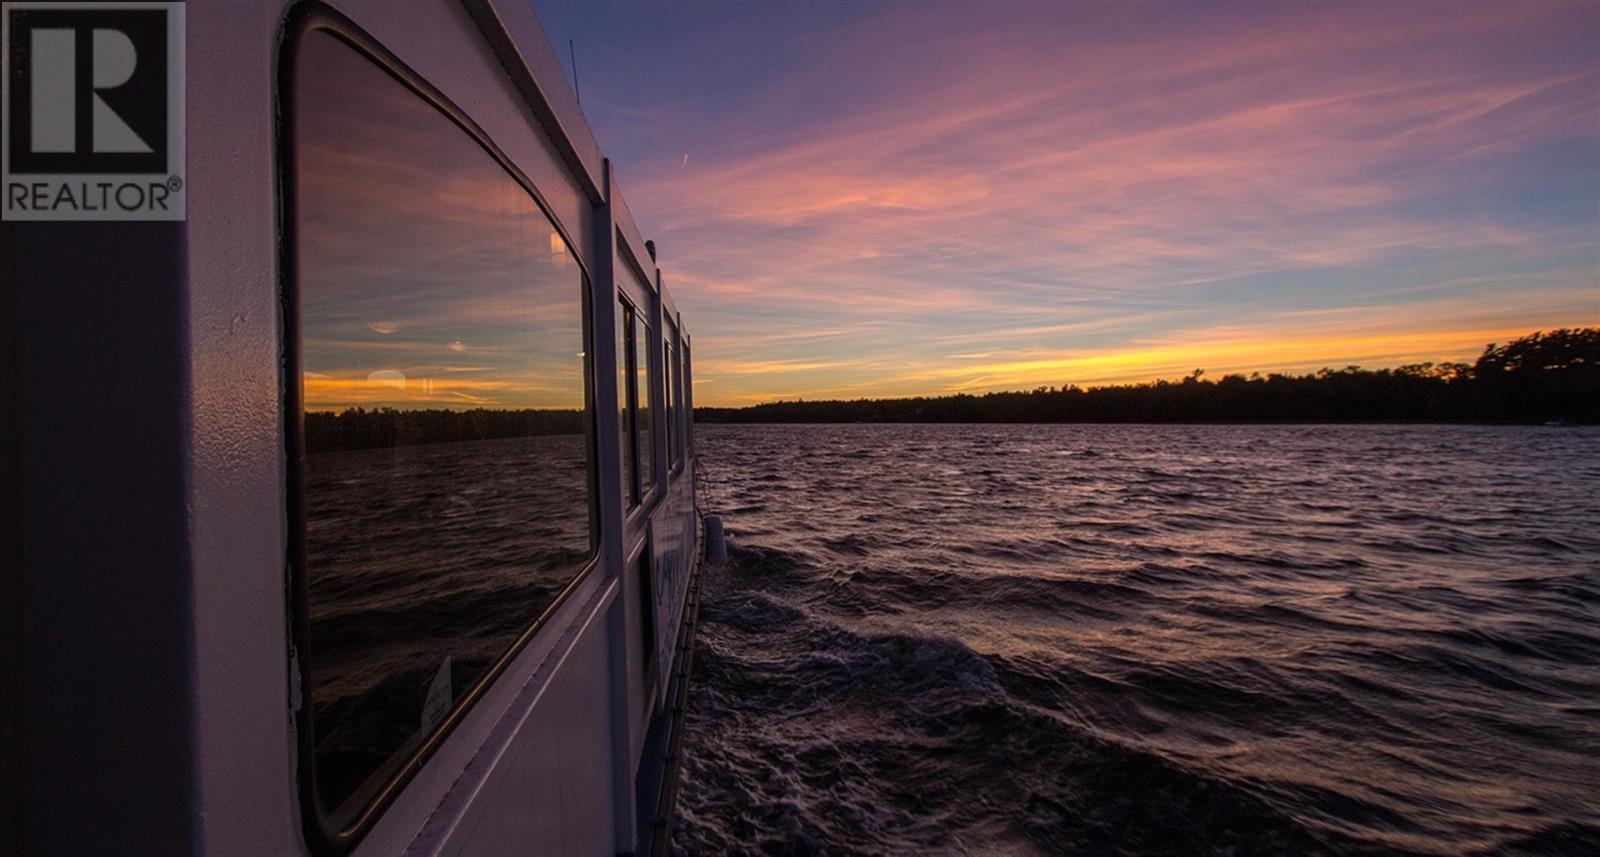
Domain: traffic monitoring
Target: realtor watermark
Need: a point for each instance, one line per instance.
(92, 121)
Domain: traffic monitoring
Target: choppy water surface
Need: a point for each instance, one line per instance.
(1149, 640)
(464, 545)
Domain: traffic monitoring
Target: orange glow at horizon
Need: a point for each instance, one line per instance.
(394, 389)
(989, 371)
(1222, 357)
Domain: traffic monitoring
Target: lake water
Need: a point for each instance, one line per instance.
(461, 546)
(1149, 640)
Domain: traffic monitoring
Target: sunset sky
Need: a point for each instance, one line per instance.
(428, 278)
(856, 199)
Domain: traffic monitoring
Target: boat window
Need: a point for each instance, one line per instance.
(643, 377)
(688, 401)
(681, 427)
(444, 488)
(669, 343)
(627, 402)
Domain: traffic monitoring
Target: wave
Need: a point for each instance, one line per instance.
(900, 741)
(1096, 640)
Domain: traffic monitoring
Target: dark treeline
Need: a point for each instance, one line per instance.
(358, 428)
(1539, 378)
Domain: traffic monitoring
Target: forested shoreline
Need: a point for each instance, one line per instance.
(1539, 378)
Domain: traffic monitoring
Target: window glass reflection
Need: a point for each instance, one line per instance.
(646, 399)
(445, 486)
(669, 363)
(626, 401)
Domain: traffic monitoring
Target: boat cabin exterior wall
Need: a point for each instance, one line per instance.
(183, 665)
(640, 672)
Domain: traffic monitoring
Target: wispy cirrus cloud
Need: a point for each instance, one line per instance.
(1121, 193)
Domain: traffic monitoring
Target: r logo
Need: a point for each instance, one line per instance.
(93, 98)
(54, 78)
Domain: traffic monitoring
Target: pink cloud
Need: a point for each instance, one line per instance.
(976, 196)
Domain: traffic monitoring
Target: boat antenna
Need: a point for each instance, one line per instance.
(573, 52)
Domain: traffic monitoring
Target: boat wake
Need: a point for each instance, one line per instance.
(812, 736)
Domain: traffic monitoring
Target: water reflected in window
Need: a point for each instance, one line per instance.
(446, 477)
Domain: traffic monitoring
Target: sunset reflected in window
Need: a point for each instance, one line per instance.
(446, 493)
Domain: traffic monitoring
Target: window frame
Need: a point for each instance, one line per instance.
(322, 836)
(648, 489)
(638, 290)
(682, 426)
(633, 493)
(674, 396)
(687, 396)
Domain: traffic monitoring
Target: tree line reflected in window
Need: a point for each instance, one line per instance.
(446, 474)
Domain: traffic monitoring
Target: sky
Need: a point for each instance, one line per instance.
(428, 277)
(913, 198)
